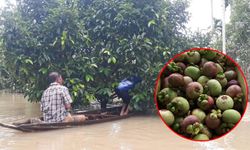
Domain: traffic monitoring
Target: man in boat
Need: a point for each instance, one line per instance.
(122, 91)
(56, 102)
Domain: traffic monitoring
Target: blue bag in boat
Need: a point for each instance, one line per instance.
(128, 83)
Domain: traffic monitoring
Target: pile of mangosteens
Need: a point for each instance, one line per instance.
(199, 95)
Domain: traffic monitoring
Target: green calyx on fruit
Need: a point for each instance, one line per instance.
(166, 95)
(205, 102)
(194, 90)
(194, 129)
(191, 124)
(222, 79)
(224, 102)
(182, 66)
(231, 116)
(213, 119)
(179, 106)
(212, 123)
(167, 116)
(220, 75)
(209, 55)
(193, 72)
(214, 87)
(173, 67)
(215, 113)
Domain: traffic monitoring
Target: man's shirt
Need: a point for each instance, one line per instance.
(53, 102)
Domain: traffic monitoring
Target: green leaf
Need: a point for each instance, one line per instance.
(71, 40)
(43, 70)
(24, 70)
(106, 52)
(74, 93)
(93, 66)
(28, 61)
(89, 78)
(54, 43)
(112, 60)
(72, 81)
(63, 39)
(81, 85)
(151, 22)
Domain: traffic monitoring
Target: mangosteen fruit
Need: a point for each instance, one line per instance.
(187, 80)
(230, 75)
(213, 120)
(224, 102)
(231, 116)
(176, 80)
(219, 68)
(194, 90)
(179, 106)
(165, 83)
(203, 61)
(214, 87)
(206, 131)
(193, 57)
(182, 66)
(191, 124)
(203, 80)
(234, 91)
(205, 102)
(201, 137)
(173, 67)
(181, 58)
(200, 114)
(193, 72)
(177, 124)
(209, 69)
(232, 82)
(166, 95)
(222, 79)
(167, 116)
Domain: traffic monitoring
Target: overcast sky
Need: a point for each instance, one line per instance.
(200, 11)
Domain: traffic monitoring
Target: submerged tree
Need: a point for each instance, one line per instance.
(94, 44)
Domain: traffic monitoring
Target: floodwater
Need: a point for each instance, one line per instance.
(135, 133)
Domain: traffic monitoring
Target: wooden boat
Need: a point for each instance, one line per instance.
(92, 119)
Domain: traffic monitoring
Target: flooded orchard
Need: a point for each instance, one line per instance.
(137, 132)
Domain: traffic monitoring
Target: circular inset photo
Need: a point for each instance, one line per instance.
(201, 94)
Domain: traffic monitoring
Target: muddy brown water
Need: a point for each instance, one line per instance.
(135, 133)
